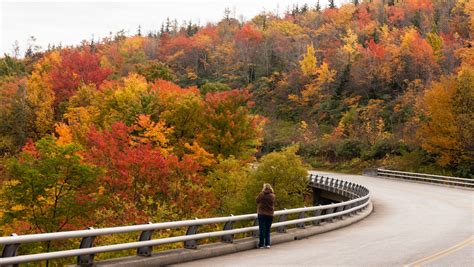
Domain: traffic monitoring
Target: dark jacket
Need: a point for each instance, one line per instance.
(265, 201)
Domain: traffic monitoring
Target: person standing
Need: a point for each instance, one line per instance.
(265, 202)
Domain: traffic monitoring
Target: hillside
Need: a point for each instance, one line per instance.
(132, 125)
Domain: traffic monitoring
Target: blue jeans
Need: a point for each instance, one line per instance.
(264, 226)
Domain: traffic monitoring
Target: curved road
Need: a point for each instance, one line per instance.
(412, 224)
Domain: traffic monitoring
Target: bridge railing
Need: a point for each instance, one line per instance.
(358, 196)
(428, 178)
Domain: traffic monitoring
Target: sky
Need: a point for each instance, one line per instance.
(70, 22)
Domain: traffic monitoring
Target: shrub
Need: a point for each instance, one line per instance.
(210, 87)
(380, 149)
(287, 174)
(228, 180)
(349, 149)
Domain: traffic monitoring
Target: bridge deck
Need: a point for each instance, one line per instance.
(411, 223)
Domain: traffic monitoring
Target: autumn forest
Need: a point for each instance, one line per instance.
(189, 120)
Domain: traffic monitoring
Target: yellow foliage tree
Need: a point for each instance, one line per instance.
(320, 77)
(309, 62)
(448, 131)
(350, 47)
(123, 100)
(40, 95)
(152, 132)
(200, 155)
(64, 134)
(372, 123)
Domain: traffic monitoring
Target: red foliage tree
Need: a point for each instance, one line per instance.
(231, 130)
(248, 34)
(363, 16)
(419, 5)
(112, 149)
(76, 67)
(176, 44)
(377, 50)
(137, 176)
(396, 15)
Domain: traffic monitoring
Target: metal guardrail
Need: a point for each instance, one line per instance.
(358, 196)
(429, 178)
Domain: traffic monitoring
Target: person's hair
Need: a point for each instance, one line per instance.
(267, 186)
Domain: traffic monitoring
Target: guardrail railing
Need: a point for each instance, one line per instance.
(358, 196)
(428, 178)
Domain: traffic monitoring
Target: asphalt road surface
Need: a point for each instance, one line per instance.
(412, 224)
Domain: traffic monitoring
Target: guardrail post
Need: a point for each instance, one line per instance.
(358, 204)
(340, 208)
(301, 216)
(317, 213)
(192, 230)
(355, 204)
(329, 211)
(228, 226)
(340, 187)
(145, 236)
(348, 190)
(281, 218)
(346, 207)
(10, 251)
(326, 181)
(86, 242)
(255, 233)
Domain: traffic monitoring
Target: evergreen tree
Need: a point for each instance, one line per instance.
(304, 9)
(139, 31)
(227, 14)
